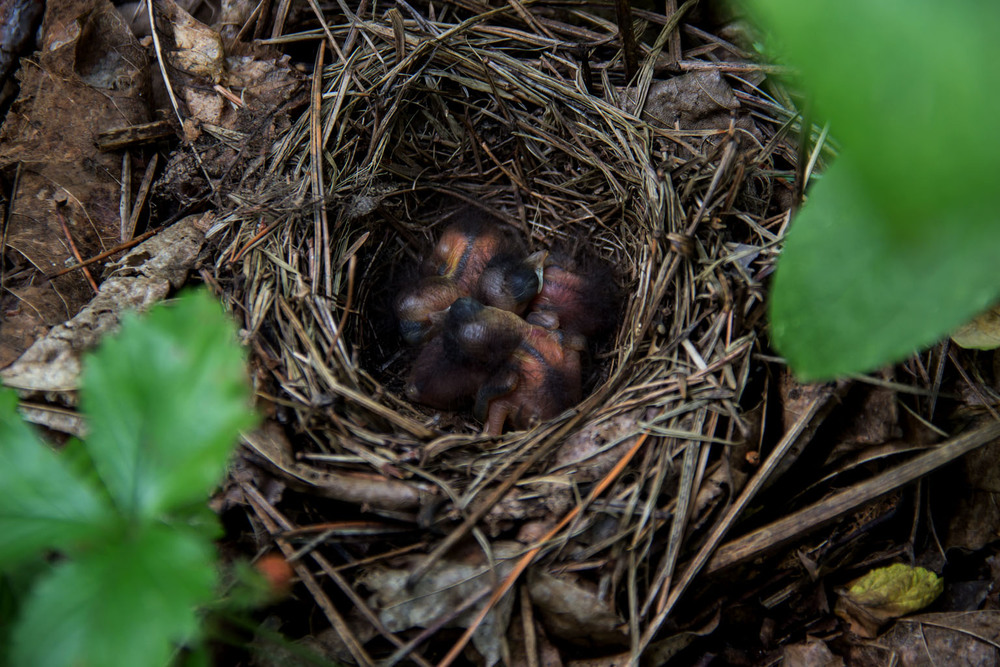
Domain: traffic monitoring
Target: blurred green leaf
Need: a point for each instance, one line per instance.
(849, 295)
(128, 602)
(44, 505)
(166, 400)
(905, 88)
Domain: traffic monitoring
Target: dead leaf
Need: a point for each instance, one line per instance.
(810, 653)
(199, 50)
(447, 587)
(976, 518)
(373, 491)
(693, 101)
(617, 660)
(90, 76)
(875, 421)
(546, 654)
(964, 638)
(26, 318)
(982, 333)
(234, 106)
(660, 652)
(572, 611)
(586, 456)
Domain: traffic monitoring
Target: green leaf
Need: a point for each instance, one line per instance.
(166, 399)
(849, 295)
(129, 602)
(918, 120)
(899, 251)
(44, 505)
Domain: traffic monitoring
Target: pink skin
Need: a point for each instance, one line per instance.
(440, 381)
(416, 308)
(465, 249)
(540, 381)
(581, 302)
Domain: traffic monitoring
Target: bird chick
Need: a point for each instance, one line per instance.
(507, 282)
(443, 379)
(483, 334)
(465, 248)
(577, 299)
(534, 372)
(511, 283)
(470, 342)
(416, 308)
(541, 379)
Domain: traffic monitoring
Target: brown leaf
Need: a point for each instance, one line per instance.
(52, 364)
(586, 456)
(27, 318)
(976, 518)
(810, 653)
(964, 638)
(90, 76)
(575, 613)
(694, 101)
(449, 585)
(199, 50)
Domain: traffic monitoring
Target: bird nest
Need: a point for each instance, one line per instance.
(674, 180)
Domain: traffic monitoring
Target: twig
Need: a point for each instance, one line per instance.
(351, 263)
(280, 522)
(72, 246)
(810, 518)
(623, 12)
(141, 196)
(320, 223)
(159, 61)
(435, 625)
(107, 253)
(125, 200)
(257, 237)
(261, 507)
(253, 18)
(804, 426)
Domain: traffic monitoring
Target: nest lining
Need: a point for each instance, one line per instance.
(420, 117)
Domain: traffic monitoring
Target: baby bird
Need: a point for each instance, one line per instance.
(441, 378)
(467, 348)
(466, 247)
(541, 380)
(415, 308)
(507, 282)
(482, 334)
(532, 373)
(511, 283)
(579, 300)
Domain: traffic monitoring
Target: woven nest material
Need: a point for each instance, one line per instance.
(672, 182)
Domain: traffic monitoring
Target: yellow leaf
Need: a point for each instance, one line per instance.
(885, 594)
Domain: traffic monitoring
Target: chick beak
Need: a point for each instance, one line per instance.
(525, 281)
(537, 261)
